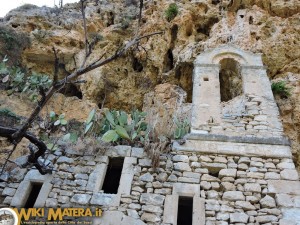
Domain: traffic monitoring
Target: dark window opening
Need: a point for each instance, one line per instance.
(242, 16)
(113, 175)
(205, 79)
(185, 211)
(34, 193)
(231, 84)
(169, 61)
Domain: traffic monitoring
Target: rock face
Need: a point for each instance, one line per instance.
(270, 27)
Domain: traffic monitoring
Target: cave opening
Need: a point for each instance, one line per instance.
(71, 90)
(231, 84)
(34, 193)
(184, 76)
(185, 211)
(169, 61)
(113, 175)
(137, 65)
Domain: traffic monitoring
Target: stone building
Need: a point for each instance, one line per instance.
(235, 166)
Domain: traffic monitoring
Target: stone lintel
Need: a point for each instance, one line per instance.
(239, 139)
(233, 148)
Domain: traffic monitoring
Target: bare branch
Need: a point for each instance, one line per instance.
(56, 66)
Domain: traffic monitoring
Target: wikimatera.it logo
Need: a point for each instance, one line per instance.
(14, 216)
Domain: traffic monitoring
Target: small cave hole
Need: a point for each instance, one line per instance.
(215, 2)
(185, 211)
(33, 195)
(205, 79)
(113, 175)
(250, 20)
(231, 84)
(174, 32)
(242, 16)
(136, 65)
(169, 61)
(214, 173)
(71, 90)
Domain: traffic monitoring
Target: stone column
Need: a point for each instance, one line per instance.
(206, 96)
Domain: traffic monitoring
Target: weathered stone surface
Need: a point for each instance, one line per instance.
(289, 174)
(8, 191)
(266, 219)
(180, 166)
(152, 199)
(272, 176)
(64, 159)
(147, 177)
(267, 202)
(233, 196)
(81, 199)
(238, 218)
(227, 173)
(284, 187)
(180, 158)
(51, 203)
(284, 200)
(137, 152)
(292, 214)
(207, 177)
(253, 187)
(152, 209)
(286, 165)
(150, 217)
(244, 205)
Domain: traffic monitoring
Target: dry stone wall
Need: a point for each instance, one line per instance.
(232, 189)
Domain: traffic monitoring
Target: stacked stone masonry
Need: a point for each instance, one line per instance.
(234, 189)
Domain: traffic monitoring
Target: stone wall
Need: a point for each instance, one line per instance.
(226, 189)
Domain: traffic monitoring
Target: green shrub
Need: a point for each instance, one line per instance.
(281, 89)
(182, 128)
(171, 12)
(17, 80)
(118, 126)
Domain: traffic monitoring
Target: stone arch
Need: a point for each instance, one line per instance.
(229, 55)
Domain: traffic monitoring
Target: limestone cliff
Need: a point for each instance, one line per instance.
(270, 27)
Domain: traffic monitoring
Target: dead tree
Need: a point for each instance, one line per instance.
(16, 135)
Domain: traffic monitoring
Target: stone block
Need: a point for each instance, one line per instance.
(119, 151)
(138, 152)
(266, 219)
(152, 209)
(51, 203)
(152, 199)
(192, 175)
(145, 162)
(82, 199)
(284, 200)
(64, 159)
(188, 180)
(180, 158)
(238, 217)
(105, 199)
(150, 217)
(227, 173)
(147, 177)
(267, 202)
(284, 187)
(207, 177)
(181, 166)
(286, 165)
(186, 189)
(272, 176)
(289, 174)
(233, 196)
(252, 187)
(8, 191)
(244, 205)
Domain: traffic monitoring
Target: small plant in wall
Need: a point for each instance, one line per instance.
(119, 126)
(171, 12)
(280, 88)
(182, 128)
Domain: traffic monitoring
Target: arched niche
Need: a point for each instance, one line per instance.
(231, 82)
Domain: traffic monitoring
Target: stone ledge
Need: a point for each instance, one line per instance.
(239, 139)
(233, 148)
